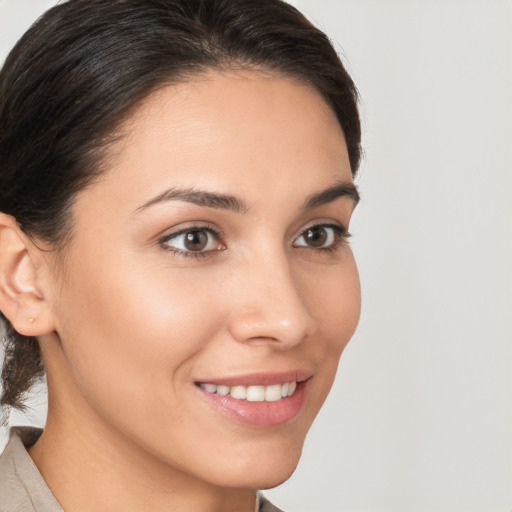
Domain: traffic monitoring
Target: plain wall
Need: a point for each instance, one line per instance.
(420, 416)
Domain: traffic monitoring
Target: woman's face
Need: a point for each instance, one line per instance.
(210, 263)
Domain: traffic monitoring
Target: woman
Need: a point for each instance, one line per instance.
(176, 189)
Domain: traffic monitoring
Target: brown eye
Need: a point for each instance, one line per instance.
(195, 240)
(322, 236)
(316, 237)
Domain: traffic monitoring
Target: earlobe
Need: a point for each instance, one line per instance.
(21, 300)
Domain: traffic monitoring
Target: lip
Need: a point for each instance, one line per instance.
(260, 378)
(260, 414)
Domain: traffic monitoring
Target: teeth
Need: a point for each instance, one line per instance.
(273, 393)
(223, 390)
(239, 392)
(254, 393)
(211, 388)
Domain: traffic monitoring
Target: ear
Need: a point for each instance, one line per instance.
(22, 300)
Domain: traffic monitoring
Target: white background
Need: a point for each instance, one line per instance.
(420, 417)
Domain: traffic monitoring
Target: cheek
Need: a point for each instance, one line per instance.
(131, 328)
(334, 297)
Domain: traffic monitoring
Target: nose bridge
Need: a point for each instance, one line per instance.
(270, 305)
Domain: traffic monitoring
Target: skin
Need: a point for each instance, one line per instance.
(127, 325)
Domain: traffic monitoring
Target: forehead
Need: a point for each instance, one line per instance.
(237, 132)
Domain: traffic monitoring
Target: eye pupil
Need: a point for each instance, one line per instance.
(196, 240)
(315, 237)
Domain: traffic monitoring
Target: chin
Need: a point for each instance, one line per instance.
(270, 483)
(270, 476)
(263, 470)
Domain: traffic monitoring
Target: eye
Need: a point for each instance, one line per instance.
(192, 240)
(322, 236)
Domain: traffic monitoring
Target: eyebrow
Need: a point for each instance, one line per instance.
(201, 198)
(328, 195)
(237, 205)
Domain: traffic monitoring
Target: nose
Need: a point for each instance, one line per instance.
(270, 306)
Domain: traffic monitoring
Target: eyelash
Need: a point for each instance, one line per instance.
(341, 237)
(340, 233)
(189, 254)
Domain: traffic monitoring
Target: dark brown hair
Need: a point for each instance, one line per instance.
(83, 67)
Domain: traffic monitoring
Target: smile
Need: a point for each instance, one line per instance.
(258, 399)
(271, 393)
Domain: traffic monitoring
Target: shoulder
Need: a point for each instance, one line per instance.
(266, 506)
(22, 487)
(13, 495)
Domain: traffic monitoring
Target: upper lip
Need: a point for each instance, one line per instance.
(260, 378)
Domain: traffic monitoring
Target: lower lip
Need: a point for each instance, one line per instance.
(260, 414)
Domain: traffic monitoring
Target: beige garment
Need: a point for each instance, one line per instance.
(22, 487)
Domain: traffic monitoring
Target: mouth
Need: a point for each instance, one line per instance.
(259, 401)
(272, 393)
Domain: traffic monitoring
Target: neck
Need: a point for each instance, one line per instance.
(94, 469)
(89, 464)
